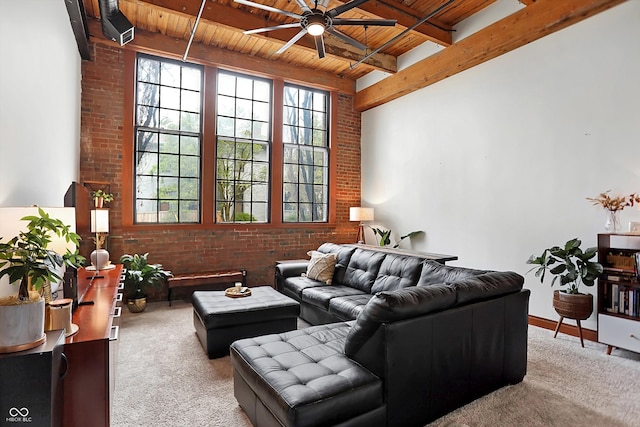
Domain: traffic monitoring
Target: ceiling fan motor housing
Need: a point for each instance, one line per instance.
(316, 17)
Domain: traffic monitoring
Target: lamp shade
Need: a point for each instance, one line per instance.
(100, 221)
(360, 214)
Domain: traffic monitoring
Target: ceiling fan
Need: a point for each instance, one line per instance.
(316, 22)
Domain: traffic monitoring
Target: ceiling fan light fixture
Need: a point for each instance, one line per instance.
(315, 29)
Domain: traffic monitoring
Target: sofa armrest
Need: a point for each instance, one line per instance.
(289, 269)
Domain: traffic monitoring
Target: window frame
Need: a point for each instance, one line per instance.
(236, 140)
(208, 155)
(299, 146)
(159, 131)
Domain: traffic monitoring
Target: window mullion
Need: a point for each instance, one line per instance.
(277, 153)
(209, 146)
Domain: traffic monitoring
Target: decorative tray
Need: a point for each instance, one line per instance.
(234, 293)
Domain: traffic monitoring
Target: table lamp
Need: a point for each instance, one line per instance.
(100, 226)
(360, 214)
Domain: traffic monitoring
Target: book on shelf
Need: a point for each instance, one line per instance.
(623, 300)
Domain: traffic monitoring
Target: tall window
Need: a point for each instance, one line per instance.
(243, 142)
(168, 140)
(306, 155)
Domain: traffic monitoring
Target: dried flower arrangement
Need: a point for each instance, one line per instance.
(614, 204)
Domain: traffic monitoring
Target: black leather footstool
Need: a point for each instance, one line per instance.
(302, 378)
(219, 320)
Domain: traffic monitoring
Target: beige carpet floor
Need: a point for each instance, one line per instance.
(164, 378)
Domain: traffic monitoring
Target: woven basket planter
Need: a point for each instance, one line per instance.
(573, 306)
(137, 305)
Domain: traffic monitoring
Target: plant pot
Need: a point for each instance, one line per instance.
(21, 326)
(573, 306)
(137, 305)
(98, 202)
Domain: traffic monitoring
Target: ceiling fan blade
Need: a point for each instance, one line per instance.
(370, 22)
(277, 27)
(292, 41)
(320, 45)
(269, 8)
(323, 3)
(303, 6)
(344, 7)
(345, 38)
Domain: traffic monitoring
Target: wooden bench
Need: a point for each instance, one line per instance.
(196, 280)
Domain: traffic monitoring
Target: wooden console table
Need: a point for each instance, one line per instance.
(92, 352)
(441, 258)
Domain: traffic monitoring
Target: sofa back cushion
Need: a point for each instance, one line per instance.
(397, 272)
(487, 286)
(434, 272)
(390, 306)
(344, 255)
(362, 269)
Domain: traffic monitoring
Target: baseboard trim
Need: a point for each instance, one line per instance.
(587, 334)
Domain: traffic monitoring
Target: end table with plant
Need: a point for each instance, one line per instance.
(573, 267)
(139, 276)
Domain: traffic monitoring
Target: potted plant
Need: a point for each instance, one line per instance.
(572, 266)
(385, 236)
(100, 197)
(26, 260)
(139, 276)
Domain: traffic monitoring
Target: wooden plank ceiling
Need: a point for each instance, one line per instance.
(166, 25)
(223, 22)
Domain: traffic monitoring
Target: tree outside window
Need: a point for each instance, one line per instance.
(168, 141)
(306, 155)
(242, 151)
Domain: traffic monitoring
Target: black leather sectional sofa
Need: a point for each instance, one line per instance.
(399, 341)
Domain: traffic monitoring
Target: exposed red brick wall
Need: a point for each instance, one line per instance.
(254, 248)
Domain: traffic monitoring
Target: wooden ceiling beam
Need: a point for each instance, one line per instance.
(154, 43)
(439, 33)
(239, 20)
(531, 23)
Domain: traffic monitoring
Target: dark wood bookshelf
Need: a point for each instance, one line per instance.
(618, 291)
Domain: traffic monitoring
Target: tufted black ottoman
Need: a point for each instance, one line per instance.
(220, 320)
(302, 378)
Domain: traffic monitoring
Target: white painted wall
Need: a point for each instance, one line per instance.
(495, 163)
(40, 81)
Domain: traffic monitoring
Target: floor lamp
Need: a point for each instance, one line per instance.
(360, 214)
(100, 226)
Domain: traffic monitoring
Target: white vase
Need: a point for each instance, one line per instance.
(21, 326)
(100, 259)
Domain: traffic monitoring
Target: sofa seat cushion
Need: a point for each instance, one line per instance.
(397, 272)
(320, 296)
(349, 307)
(304, 378)
(294, 286)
